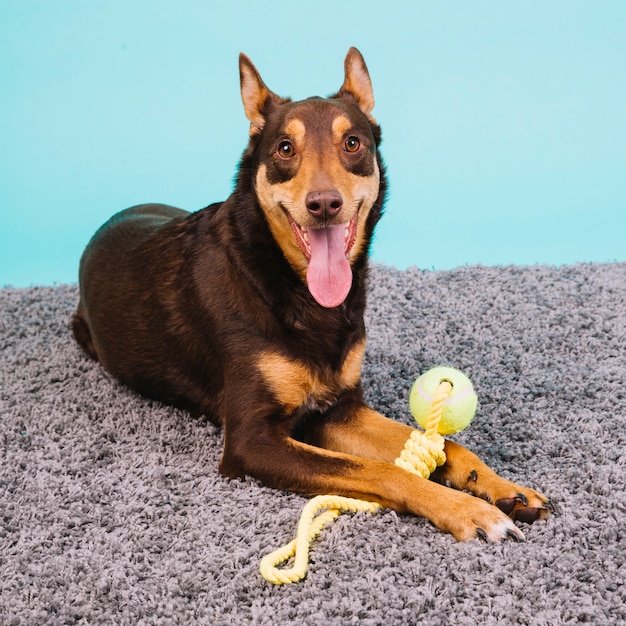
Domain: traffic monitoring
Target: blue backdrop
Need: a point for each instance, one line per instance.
(504, 123)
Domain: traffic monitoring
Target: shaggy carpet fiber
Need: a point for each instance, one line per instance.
(112, 510)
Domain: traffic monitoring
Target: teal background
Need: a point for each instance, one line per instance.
(504, 123)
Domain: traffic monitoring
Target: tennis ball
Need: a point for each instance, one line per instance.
(458, 410)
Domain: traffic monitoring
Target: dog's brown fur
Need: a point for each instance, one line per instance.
(233, 313)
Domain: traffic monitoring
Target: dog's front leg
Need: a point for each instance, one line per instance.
(365, 432)
(282, 462)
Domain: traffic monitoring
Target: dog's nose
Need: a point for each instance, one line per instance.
(324, 204)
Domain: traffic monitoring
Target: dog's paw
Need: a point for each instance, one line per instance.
(473, 518)
(521, 504)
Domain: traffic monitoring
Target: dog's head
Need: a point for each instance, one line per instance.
(317, 175)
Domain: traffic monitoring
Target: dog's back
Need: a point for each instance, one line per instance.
(109, 281)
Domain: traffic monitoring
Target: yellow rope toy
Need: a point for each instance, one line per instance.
(443, 402)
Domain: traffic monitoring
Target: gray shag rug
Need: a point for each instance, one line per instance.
(112, 510)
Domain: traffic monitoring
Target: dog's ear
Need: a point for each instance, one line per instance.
(357, 82)
(255, 95)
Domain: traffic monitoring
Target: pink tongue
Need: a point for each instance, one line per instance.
(328, 276)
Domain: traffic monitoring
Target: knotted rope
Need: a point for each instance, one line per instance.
(316, 514)
(422, 454)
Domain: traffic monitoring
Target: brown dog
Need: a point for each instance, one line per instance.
(250, 311)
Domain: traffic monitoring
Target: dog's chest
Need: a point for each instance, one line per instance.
(294, 384)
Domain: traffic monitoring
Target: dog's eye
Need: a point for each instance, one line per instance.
(352, 144)
(286, 149)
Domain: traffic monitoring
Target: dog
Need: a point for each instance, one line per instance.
(250, 312)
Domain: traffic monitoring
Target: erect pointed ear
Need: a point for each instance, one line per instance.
(357, 82)
(254, 94)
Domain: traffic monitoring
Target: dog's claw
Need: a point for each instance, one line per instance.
(514, 536)
(521, 498)
(482, 535)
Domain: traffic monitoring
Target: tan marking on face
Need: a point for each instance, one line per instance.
(351, 369)
(341, 125)
(272, 198)
(296, 129)
(369, 193)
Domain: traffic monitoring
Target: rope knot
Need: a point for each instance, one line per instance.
(422, 455)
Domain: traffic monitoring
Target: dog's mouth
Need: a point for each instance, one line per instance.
(327, 249)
